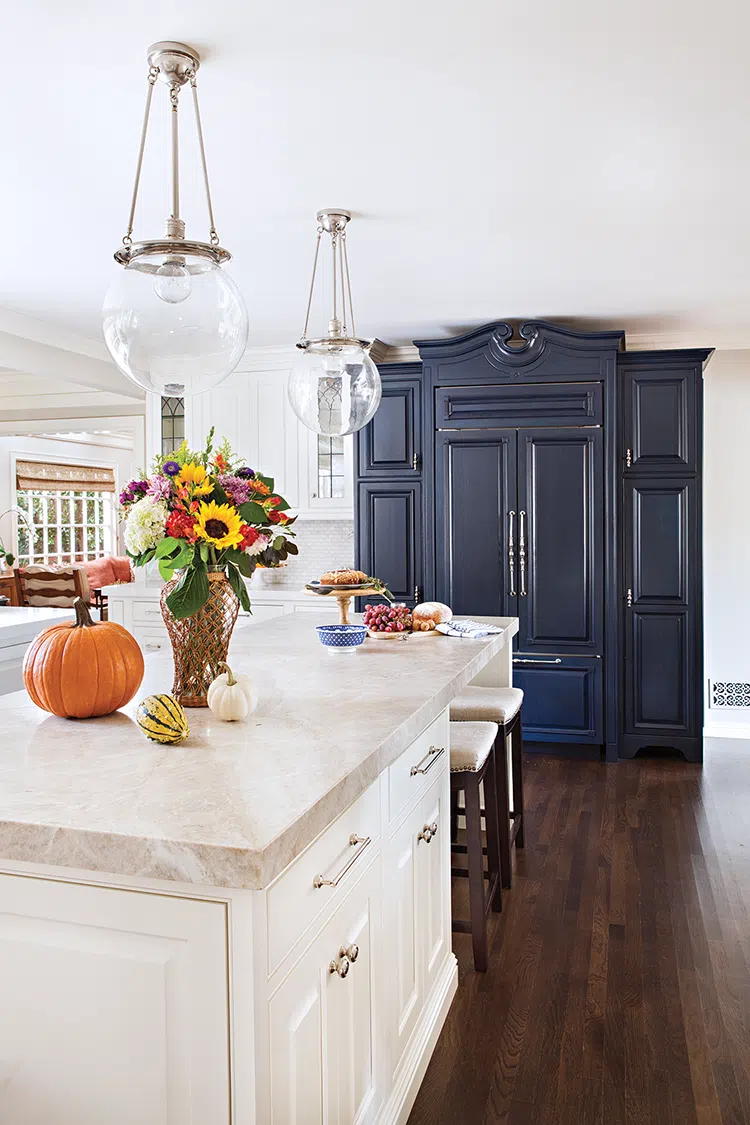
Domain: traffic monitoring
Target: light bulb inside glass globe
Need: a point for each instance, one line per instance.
(173, 283)
(334, 388)
(161, 340)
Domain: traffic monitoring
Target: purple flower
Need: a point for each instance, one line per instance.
(237, 489)
(171, 468)
(245, 473)
(126, 496)
(160, 488)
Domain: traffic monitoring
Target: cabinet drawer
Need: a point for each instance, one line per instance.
(294, 900)
(562, 698)
(549, 404)
(403, 785)
(147, 611)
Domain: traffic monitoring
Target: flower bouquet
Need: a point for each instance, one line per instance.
(210, 517)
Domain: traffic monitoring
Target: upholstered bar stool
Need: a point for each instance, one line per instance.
(473, 764)
(503, 707)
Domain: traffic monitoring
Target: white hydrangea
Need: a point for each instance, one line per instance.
(145, 523)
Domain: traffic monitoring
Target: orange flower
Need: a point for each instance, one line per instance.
(259, 486)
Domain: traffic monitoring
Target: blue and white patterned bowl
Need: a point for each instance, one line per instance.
(341, 638)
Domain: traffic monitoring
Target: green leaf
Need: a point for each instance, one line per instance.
(268, 481)
(278, 543)
(244, 564)
(168, 546)
(166, 569)
(292, 548)
(204, 551)
(191, 592)
(239, 587)
(253, 513)
(220, 496)
(283, 506)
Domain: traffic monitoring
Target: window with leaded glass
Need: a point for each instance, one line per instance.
(172, 424)
(330, 467)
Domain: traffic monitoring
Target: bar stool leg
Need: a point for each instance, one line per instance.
(492, 829)
(516, 743)
(475, 864)
(454, 815)
(503, 806)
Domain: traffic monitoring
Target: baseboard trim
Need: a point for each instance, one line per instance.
(736, 730)
(419, 1052)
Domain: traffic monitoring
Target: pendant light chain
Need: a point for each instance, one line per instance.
(212, 230)
(153, 74)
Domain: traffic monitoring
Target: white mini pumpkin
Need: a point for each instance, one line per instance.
(232, 697)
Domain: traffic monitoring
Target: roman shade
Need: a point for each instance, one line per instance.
(41, 476)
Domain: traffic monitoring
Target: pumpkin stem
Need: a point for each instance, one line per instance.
(83, 617)
(230, 675)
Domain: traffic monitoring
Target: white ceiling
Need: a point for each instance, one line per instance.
(585, 161)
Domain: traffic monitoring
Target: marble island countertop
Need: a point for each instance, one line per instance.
(233, 805)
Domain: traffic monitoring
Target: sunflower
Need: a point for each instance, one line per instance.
(219, 524)
(195, 477)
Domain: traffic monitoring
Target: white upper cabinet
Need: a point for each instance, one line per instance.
(252, 409)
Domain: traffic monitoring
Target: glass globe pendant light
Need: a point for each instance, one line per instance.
(174, 321)
(334, 387)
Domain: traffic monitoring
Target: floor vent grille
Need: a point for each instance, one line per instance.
(725, 693)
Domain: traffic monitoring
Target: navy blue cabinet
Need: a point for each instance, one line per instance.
(551, 475)
(662, 615)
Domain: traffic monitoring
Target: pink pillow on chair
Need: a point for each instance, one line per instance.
(122, 568)
(100, 572)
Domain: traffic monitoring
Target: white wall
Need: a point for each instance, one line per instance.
(124, 462)
(726, 514)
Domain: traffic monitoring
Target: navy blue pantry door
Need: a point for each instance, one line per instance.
(561, 540)
(476, 521)
(661, 615)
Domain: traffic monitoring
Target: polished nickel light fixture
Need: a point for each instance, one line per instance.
(334, 387)
(174, 321)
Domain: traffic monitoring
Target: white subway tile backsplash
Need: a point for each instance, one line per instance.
(323, 545)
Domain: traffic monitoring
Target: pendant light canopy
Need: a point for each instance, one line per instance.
(334, 387)
(174, 321)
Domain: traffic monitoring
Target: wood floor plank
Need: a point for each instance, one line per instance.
(618, 990)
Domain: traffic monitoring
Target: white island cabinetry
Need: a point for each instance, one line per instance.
(252, 928)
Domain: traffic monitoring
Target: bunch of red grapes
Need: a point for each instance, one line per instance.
(388, 618)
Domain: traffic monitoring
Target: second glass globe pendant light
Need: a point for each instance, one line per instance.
(174, 321)
(334, 387)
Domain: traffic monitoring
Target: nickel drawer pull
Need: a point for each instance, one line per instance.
(355, 841)
(521, 660)
(434, 753)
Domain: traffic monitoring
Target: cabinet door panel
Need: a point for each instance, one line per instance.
(392, 441)
(322, 1043)
(475, 493)
(403, 926)
(114, 1006)
(560, 488)
(658, 674)
(660, 419)
(661, 515)
(389, 537)
(434, 867)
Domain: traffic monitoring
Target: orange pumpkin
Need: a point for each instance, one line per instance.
(83, 669)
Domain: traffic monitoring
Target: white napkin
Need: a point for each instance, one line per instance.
(470, 629)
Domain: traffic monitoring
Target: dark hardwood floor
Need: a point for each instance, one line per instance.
(619, 984)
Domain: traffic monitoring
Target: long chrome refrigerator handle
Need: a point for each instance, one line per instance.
(511, 555)
(522, 551)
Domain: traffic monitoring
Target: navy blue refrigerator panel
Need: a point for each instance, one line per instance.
(476, 521)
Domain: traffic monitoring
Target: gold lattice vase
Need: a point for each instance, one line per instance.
(201, 642)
